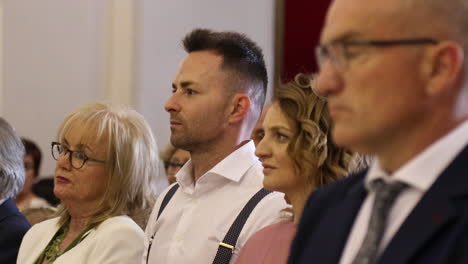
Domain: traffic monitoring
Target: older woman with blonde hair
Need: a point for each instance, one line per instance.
(298, 157)
(105, 172)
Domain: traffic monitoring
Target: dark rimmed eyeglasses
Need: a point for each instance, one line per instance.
(76, 158)
(337, 51)
(175, 165)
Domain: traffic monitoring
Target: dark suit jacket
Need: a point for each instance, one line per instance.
(436, 231)
(13, 226)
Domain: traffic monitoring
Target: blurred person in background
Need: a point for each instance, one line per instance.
(173, 159)
(32, 163)
(13, 225)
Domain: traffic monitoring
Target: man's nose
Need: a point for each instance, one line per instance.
(328, 81)
(172, 104)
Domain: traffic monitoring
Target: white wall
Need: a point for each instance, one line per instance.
(59, 54)
(52, 63)
(1, 58)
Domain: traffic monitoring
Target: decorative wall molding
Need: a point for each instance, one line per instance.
(120, 52)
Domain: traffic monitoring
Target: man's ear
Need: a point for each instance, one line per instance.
(443, 67)
(240, 106)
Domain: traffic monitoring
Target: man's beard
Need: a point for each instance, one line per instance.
(185, 142)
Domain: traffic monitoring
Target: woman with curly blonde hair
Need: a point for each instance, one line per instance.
(298, 157)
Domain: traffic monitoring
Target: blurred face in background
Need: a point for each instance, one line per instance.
(29, 173)
(178, 159)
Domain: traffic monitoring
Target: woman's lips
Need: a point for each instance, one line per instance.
(267, 168)
(61, 180)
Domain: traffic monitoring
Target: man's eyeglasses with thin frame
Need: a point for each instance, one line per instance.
(77, 159)
(337, 51)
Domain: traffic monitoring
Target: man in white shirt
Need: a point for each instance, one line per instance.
(218, 94)
(395, 76)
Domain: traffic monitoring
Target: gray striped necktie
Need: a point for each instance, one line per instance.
(385, 195)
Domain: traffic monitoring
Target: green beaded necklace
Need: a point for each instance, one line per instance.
(52, 251)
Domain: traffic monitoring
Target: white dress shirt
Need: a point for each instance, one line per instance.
(199, 215)
(419, 173)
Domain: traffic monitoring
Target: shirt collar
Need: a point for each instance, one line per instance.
(237, 163)
(232, 167)
(422, 171)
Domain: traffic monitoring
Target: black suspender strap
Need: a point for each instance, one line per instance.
(167, 198)
(164, 202)
(226, 248)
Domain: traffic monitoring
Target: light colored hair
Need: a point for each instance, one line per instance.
(12, 173)
(132, 157)
(314, 154)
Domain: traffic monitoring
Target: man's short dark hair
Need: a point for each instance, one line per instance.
(240, 56)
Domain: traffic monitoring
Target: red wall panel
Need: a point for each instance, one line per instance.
(303, 21)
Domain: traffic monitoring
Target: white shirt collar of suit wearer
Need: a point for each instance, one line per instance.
(419, 173)
(2, 200)
(423, 170)
(231, 168)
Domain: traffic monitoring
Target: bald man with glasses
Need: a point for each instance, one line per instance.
(395, 78)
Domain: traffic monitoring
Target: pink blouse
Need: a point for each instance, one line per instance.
(269, 245)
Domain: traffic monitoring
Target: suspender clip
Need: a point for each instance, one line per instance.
(226, 246)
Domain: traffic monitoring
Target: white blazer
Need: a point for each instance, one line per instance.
(116, 240)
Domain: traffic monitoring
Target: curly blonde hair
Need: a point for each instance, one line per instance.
(311, 149)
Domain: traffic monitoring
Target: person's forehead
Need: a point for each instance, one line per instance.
(361, 18)
(276, 117)
(86, 138)
(259, 124)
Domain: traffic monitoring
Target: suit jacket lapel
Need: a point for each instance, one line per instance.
(342, 213)
(433, 212)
